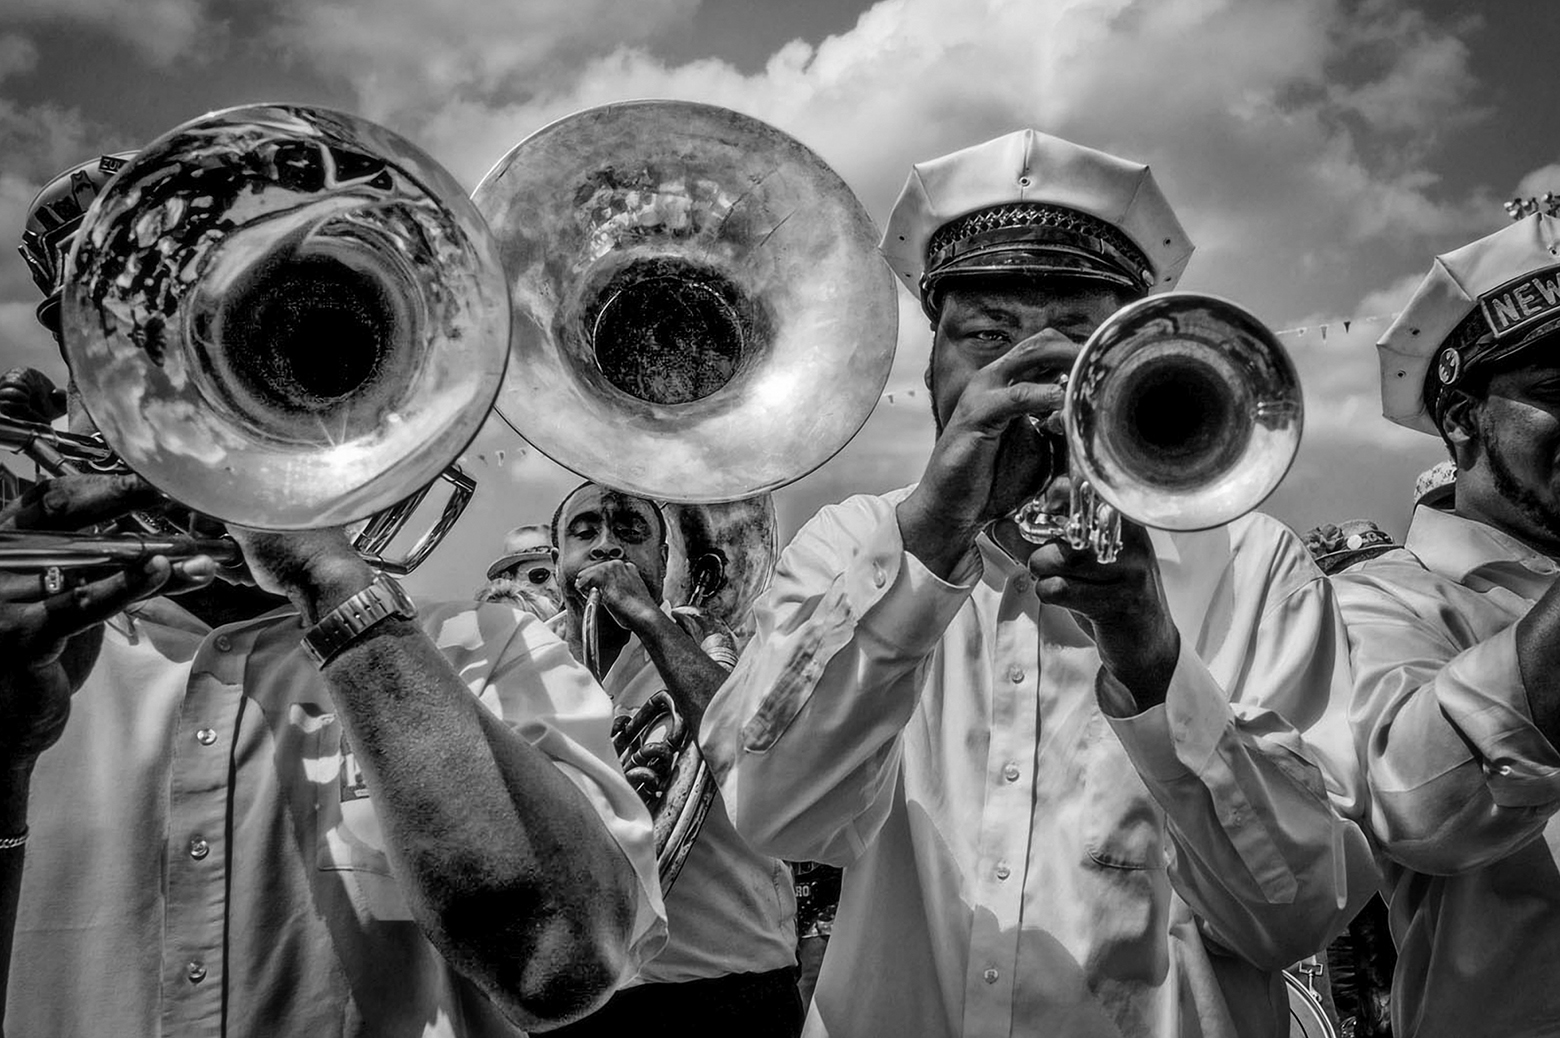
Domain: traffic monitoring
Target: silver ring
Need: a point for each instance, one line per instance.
(53, 580)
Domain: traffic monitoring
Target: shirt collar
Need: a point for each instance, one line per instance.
(1456, 546)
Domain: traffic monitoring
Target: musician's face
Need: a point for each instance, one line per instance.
(600, 524)
(983, 319)
(1518, 440)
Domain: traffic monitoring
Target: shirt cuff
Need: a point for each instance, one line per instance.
(1173, 739)
(1482, 694)
(897, 599)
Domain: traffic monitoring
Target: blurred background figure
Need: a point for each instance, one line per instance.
(1336, 547)
(526, 573)
(1436, 485)
(1360, 960)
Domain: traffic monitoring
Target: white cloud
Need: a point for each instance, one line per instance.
(160, 30)
(1539, 181)
(412, 54)
(1249, 111)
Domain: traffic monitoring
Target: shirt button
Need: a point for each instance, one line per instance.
(879, 578)
(1015, 674)
(206, 736)
(1003, 872)
(199, 848)
(1010, 771)
(196, 972)
(991, 976)
(223, 643)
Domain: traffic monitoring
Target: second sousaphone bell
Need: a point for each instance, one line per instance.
(700, 312)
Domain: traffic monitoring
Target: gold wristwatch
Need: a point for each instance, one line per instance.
(347, 622)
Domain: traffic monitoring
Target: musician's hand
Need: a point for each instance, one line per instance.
(316, 569)
(623, 592)
(988, 460)
(27, 394)
(1123, 605)
(50, 640)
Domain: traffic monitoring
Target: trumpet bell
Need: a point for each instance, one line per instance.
(700, 311)
(1183, 411)
(285, 317)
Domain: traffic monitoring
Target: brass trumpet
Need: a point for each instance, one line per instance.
(1182, 412)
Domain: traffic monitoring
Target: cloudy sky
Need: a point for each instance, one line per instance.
(1319, 152)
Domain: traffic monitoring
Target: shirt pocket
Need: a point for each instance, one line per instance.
(1123, 826)
(349, 838)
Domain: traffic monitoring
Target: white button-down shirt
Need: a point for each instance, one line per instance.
(732, 909)
(1006, 870)
(1463, 787)
(205, 858)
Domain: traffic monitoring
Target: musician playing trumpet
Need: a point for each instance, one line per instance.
(729, 965)
(246, 811)
(1070, 797)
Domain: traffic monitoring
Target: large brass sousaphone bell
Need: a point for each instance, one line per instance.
(700, 315)
(282, 317)
(285, 317)
(700, 312)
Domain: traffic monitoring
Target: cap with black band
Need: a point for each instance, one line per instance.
(1479, 306)
(1035, 205)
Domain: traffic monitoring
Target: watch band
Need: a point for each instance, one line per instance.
(347, 622)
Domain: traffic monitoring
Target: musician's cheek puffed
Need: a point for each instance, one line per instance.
(991, 735)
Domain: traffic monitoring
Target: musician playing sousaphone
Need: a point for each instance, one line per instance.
(311, 806)
(1069, 795)
(729, 965)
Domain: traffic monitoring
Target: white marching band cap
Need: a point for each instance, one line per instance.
(1479, 304)
(1030, 203)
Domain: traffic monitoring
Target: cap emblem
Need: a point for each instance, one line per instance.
(1449, 366)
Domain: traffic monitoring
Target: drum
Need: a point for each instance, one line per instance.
(1307, 1018)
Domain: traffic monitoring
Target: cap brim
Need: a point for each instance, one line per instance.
(1028, 262)
(507, 561)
